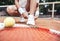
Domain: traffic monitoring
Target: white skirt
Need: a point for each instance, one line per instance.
(24, 2)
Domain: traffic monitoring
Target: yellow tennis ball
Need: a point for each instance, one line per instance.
(9, 22)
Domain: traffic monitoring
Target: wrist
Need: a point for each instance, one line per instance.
(21, 10)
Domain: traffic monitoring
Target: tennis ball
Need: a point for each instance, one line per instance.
(9, 22)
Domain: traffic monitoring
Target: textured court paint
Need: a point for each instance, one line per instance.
(27, 34)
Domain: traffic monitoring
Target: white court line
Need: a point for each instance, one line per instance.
(55, 31)
(16, 25)
(21, 25)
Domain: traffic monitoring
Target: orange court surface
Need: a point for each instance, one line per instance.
(40, 33)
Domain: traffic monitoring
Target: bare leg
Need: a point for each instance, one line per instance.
(32, 6)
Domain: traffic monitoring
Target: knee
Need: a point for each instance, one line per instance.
(12, 10)
(9, 9)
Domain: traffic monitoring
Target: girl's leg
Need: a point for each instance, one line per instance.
(32, 6)
(32, 10)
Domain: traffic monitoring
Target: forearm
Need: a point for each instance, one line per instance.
(17, 4)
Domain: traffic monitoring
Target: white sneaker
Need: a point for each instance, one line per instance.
(31, 20)
(22, 19)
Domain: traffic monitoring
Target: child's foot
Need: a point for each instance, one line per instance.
(31, 20)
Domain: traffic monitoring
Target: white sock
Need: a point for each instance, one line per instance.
(31, 20)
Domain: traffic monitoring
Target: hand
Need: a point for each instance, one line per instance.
(25, 14)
